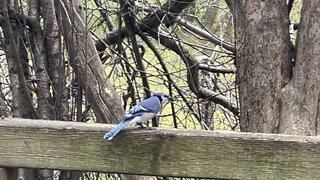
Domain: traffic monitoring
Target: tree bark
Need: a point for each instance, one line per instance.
(87, 65)
(44, 98)
(263, 62)
(55, 61)
(301, 97)
(16, 56)
(276, 97)
(40, 63)
(17, 60)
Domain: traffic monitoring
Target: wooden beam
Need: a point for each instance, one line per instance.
(183, 153)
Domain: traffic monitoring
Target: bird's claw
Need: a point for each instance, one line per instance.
(142, 125)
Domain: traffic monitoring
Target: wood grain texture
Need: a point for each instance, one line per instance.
(79, 146)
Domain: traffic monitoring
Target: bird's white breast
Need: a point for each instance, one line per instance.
(141, 119)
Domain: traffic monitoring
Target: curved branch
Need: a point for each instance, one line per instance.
(210, 37)
(217, 70)
(170, 80)
(193, 72)
(166, 14)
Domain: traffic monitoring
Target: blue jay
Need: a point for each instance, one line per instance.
(140, 113)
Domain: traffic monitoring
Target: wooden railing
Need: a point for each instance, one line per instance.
(160, 152)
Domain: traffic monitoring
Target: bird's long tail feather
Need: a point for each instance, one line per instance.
(115, 130)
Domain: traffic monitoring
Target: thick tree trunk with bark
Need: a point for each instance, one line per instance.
(16, 56)
(17, 60)
(262, 43)
(87, 65)
(40, 63)
(55, 61)
(276, 97)
(301, 97)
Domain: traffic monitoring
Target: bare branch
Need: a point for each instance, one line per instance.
(167, 74)
(166, 14)
(216, 70)
(193, 72)
(15, 53)
(127, 8)
(87, 65)
(207, 35)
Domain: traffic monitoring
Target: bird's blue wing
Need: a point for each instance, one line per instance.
(153, 104)
(150, 105)
(136, 110)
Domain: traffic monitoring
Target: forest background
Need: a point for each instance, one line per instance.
(230, 65)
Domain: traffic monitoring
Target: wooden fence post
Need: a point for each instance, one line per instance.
(8, 173)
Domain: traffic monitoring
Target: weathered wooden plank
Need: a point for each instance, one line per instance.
(79, 146)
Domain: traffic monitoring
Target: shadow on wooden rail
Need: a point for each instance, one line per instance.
(180, 153)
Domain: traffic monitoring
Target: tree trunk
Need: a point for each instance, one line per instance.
(40, 63)
(301, 97)
(55, 61)
(39, 55)
(274, 96)
(87, 65)
(17, 60)
(262, 44)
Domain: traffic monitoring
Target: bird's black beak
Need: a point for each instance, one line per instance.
(171, 98)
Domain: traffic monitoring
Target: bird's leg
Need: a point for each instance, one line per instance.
(142, 125)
